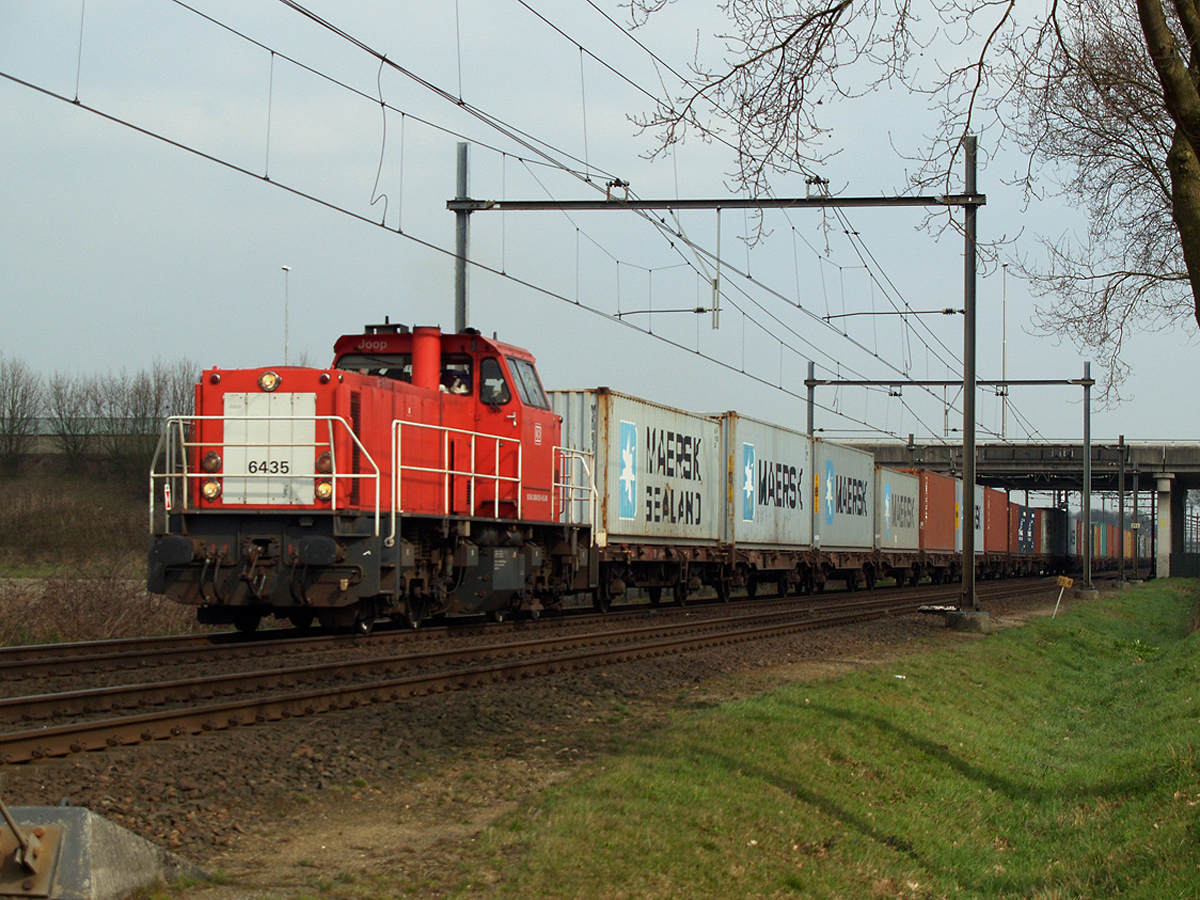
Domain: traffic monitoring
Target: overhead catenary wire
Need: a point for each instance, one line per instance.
(540, 158)
(509, 131)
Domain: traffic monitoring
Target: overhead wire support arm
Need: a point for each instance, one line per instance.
(970, 201)
(616, 202)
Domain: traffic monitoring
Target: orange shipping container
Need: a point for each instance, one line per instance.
(937, 512)
(995, 521)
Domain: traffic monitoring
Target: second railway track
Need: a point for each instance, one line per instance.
(58, 724)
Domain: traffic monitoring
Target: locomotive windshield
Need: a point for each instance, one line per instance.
(397, 366)
(528, 384)
(493, 388)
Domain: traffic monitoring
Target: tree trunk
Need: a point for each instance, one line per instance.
(1182, 97)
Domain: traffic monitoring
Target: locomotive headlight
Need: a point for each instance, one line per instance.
(211, 489)
(268, 381)
(324, 489)
(325, 463)
(211, 462)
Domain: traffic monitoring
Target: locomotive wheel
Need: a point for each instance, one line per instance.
(246, 622)
(364, 623)
(302, 621)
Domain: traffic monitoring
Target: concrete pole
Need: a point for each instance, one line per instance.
(1137, 532)
(812, 394)
(1121, 503)
(1087, 476)
(969, 600)
(462, 236)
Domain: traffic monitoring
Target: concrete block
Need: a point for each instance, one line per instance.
(1092, 594)
(96, 859)
(974, 620)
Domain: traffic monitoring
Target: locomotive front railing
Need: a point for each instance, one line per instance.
(576, 488)
(181, 458)
(445, 471)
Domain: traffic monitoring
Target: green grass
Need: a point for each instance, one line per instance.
(1059, 760)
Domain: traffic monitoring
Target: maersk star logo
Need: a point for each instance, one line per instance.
(628, 477)
(887, 510)
(829, 492)
(748, 483)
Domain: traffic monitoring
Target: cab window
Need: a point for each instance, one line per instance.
(493, 387)
(528, 385)
(397, 366)
(456, 374)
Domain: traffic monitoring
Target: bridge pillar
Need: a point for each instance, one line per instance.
(1171, 521)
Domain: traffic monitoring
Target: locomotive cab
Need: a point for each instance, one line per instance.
(414, 476)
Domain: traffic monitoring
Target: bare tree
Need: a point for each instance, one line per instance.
(71, 413)
(1105, 92)
(1093, 100)
(20, 405)
(133, 407)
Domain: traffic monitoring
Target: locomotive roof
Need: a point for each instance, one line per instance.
(392, 338)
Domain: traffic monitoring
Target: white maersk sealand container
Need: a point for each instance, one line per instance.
(658, 471)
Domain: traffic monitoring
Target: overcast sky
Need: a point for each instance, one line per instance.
(117, 248)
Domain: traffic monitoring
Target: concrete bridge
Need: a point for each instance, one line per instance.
(1164, 470)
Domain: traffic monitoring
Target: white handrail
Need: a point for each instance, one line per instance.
(173, 447)
(446, 473)
(572, 491)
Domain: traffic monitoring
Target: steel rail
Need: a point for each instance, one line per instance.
(38, 743)
(91, 701)
(85, 658)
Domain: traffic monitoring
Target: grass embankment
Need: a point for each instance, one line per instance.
(72, 562)
(1058, 760)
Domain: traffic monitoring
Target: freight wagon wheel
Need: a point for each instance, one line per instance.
(681, 592)
(601, 599)
(723, 588)
(246, 622)
(783, 585)
(655, 594)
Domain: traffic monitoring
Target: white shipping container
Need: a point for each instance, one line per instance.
(960, 512)
(898, 499)
(658, 471)
(844, 497)
(769, 470)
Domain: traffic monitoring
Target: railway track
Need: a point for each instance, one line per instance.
(76, 659)
(401, 666)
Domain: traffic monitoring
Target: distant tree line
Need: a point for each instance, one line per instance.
(116, 416)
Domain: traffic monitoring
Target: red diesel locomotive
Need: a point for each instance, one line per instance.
(419, 474)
